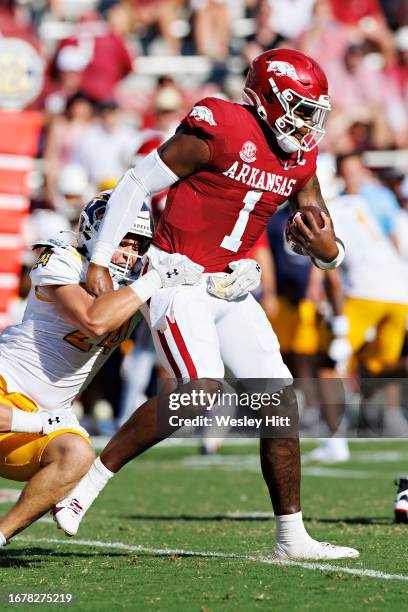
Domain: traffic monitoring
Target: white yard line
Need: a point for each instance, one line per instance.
(167, 552)
(101, 441)
(325, 472)
(250, 463)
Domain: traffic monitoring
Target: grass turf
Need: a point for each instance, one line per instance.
(172, 499)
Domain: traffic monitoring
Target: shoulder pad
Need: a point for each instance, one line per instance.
(51, 243)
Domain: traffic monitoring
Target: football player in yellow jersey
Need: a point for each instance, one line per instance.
(47, 360)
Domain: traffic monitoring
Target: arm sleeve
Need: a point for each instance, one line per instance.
(149, 176)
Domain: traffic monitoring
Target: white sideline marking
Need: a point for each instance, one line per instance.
(167, 552)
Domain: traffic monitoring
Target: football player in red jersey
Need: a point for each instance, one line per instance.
(229, 166)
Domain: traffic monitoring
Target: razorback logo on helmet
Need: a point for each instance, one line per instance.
(202, 113)
(282, 69)
(248, 152)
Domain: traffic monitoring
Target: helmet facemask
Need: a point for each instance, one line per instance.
(142, 230)
(300, 112)
(128, 271)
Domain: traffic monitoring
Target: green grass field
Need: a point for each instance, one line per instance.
(175, 531)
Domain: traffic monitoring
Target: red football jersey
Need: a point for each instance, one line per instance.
(216, 215)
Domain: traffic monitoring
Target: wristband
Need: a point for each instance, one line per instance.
(331, 265)
(147, 285)
(340, 325)
(25, 422)
(102, 253)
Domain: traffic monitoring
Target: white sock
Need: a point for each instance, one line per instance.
(290, 529)
(89, 487)
(3, 539)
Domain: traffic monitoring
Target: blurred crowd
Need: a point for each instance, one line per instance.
(120, 74)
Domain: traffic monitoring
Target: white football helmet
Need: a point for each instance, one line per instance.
(89, 222)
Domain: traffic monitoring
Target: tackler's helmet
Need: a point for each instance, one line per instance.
(89, 222)
(289, 91)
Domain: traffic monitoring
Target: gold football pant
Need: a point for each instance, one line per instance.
(21, 453)
(388, 319)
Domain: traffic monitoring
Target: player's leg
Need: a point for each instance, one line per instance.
(390, 338)
(295, 326)
(62, 461)
(188, 347)
(254, 353)
(401, 501)
(383, 353)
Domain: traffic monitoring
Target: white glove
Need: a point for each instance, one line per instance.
(176, 269)
(60, 419)
(245, 277)
(340, 350)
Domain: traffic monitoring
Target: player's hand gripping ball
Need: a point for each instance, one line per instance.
(306, 214)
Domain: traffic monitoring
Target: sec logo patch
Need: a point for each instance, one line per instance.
(248, 152)
(21, 73)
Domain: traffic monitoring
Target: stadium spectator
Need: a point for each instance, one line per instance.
(155, 19)
(107, 145)
(399, 183)
(105, 54)
(397, 83)
(350, 12)
(265, 36)
(68, 68)
(376, 294)
(12, 24)
(383, 204)
(73, 192)
(355, 86)
(211, 22)
(168, 110)
(291, 17)
(63, 138)
(327, 39)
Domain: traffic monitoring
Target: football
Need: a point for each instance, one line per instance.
(290, 239)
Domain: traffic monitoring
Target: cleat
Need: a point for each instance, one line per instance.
(332, 450)
(68, 515)
(401, 501)
(314, 550)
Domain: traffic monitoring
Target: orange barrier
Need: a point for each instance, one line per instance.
(19, 139)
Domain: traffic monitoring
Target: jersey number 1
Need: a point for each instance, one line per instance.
(233, 241)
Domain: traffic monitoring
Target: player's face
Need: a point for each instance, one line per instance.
(305, 114)
(126, 254)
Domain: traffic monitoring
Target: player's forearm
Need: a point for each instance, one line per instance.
(149, 176)
(111, 310)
